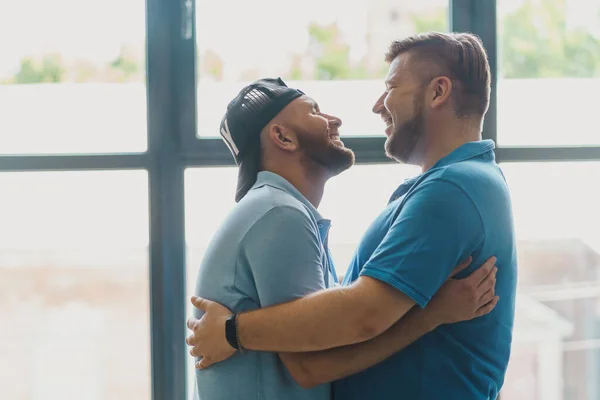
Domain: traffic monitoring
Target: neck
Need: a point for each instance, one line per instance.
(444, 140)
(311, 183)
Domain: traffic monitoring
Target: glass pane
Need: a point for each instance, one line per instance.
(372, 185)
(72, 76)
(74, 300)
(549, 72)
(203, 214)
(556, 353)
(333, 52)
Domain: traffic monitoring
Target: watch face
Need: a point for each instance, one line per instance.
(231, 332)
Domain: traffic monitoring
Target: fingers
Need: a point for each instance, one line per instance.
(461, 266)
(203, 363)
(199, 303)
(190, 340)
(481, 273)
(488, 283)
(486, 309)
(194, 352)
(487, 297)
(191, 323)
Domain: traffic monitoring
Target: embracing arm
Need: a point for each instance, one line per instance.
(315, 368)
(310, 369)
(457, 300)
(326, 319)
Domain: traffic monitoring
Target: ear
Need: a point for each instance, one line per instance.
(441, 89)
(283, 138)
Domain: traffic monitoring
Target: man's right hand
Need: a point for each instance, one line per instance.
(467, 298)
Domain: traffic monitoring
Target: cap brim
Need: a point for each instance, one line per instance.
(248, 171)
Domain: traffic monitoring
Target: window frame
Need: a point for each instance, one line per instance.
(173, 146)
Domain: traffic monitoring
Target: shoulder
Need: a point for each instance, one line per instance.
(468, 180)
(281, 235)
(277, 217)
(440, 198)
(471, 173)
(440, 187)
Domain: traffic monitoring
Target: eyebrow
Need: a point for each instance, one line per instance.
(394, 80)
(314, 104)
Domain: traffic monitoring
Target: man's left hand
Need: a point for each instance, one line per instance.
(464, 299)
(208, 333)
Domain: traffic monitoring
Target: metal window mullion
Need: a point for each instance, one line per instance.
(166, 117)
(479, 17)
(17, 163)
(186, 78)
(369, 150)
(547, 154)
(213, 152)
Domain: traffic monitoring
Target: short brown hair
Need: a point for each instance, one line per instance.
(459, 56)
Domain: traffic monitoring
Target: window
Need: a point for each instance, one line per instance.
(74, 299)
(74, 246)
(556, 349)
(333, 54)
(72, 77)
(204, 214)
(549, 72)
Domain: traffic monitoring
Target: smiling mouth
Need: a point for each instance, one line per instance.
(388, 121)
(335, 138)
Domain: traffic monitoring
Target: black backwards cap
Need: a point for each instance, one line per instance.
(247, 114)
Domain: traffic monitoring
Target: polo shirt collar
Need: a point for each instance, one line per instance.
(267, 178)
(462, 153)
(467, 151)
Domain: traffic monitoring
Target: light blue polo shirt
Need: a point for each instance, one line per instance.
(270, 249)
(458, 208)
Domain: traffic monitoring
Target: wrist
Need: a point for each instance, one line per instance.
(429, 317)
(231, 331)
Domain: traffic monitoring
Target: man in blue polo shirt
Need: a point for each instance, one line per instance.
(437, 92)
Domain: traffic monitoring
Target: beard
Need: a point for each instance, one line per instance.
(322, 152)
(401, 144)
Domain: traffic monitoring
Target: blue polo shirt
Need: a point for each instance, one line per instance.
(458, 208)
(270, 249)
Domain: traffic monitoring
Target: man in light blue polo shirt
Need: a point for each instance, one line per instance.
(272, 247)
(437, 93)
(269, 250)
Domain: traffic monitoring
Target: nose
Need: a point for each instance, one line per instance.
(334, 121)
(378, 108)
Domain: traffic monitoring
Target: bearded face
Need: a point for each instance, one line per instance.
(319, 138)
(404, 136)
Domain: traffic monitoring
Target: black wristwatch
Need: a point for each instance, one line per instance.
(231, 332)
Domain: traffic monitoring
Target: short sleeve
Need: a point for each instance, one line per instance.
(438, 227)
(284, 251)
